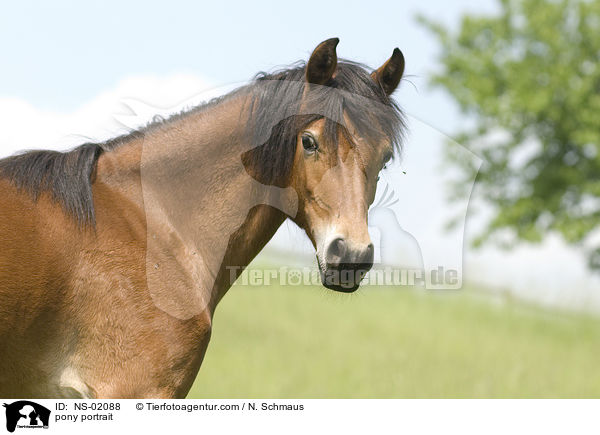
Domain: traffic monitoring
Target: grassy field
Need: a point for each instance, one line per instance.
(308, 342)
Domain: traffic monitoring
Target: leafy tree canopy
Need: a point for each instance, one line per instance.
(530, 79)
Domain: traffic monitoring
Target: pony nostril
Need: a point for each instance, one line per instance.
(365, 257)
(336, 252)
(369, 254)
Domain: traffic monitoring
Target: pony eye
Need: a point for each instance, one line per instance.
(309, 143)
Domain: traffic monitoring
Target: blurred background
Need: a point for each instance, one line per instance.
(499, 180)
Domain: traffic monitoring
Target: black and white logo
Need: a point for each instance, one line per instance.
(26, 414)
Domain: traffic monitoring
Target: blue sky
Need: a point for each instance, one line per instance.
(58, 55)
(67, 64)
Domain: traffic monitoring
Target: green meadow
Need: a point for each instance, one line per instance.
(309, 342)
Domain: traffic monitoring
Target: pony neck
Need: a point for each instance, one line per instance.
(205, 215)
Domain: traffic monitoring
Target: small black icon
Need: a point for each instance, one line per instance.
(26, 414)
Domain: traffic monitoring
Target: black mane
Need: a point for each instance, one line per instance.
(68, 176)
(276, 106)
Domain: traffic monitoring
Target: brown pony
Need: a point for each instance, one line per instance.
(113, 256)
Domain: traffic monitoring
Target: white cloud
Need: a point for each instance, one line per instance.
(27, 127)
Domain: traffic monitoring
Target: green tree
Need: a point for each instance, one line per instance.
(529, 77)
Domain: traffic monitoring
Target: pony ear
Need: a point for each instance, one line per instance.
(389, 74)
(322, 62)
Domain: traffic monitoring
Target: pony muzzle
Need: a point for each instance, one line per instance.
(343, 264)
